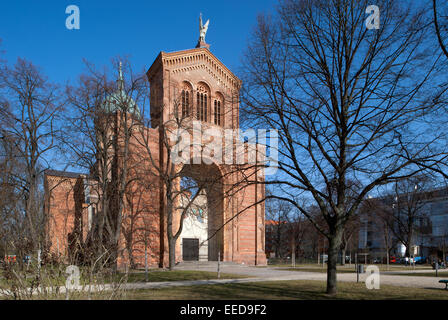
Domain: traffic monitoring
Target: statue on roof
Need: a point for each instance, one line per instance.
(202, 29)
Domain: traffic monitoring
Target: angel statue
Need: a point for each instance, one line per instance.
(202, 28)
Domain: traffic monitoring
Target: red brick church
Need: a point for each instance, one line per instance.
(197, 84)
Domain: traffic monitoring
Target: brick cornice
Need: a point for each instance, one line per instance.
(191, 59)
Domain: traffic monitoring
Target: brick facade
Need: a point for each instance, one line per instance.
(196, 71)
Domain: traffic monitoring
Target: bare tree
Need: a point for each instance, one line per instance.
(30, 106)
(297, 232)
(311, 242)
(351, 230)
(407, 209)
(11, 221)
(103, 120)
(378, 211)
(439, 121)
(345, 99)
(279, 235)
(442, 241)
(440, 14)
(137, 229)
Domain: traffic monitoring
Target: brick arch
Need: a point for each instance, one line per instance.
(188, 83)
(220, 95)
(205, 84)
(210, 177)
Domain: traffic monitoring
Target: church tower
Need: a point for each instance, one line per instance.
(197, 87)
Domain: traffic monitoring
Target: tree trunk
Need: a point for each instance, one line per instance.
(31, 212)
(409, 244)
(386, 244)
(334, 243)
(387, 257)
(114, 257)
(444, 253)
(343, 256)
(172, 253)
(293, 251)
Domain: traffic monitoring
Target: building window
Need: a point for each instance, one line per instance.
(217, 115)
(185, 103)
(202, 111)
(198, 107)
(202, 106)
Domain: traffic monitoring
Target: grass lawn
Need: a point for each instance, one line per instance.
(383, 267)
(269, 290)
(346, 268)
(320, 270)
(155, 275)
(180, 275)
(441, 274)
(285, 290)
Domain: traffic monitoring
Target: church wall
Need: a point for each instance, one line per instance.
(66, 213)
(143, 223)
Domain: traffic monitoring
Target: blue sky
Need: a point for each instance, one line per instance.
(139, 29)
(36, 30)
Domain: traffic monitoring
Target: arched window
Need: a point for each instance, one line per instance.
(202, 107)
(218, 110)
(186, 98)
(217, 114)
(185, 103)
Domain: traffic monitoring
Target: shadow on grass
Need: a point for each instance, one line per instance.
(179, 275)
(436, 289)
(285, 290)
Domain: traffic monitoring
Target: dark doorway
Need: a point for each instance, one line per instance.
(190, 249)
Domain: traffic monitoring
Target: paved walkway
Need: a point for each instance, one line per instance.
(276, 274)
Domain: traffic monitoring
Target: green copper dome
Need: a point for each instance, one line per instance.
(119, 100)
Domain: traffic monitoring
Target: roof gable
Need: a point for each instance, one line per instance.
(192, 59)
